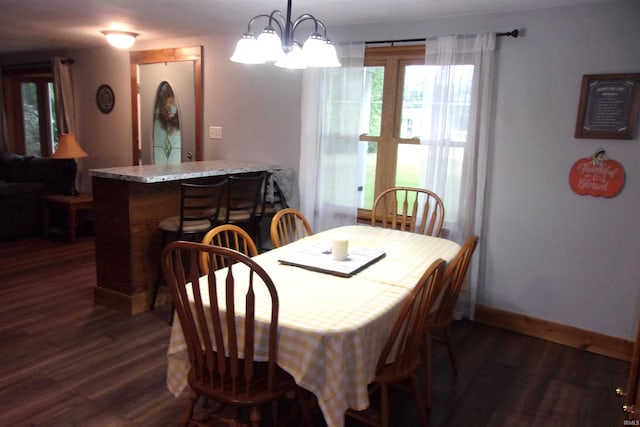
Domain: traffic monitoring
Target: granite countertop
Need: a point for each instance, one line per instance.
(178, 171)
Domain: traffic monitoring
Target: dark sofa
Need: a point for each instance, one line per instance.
(24, 179)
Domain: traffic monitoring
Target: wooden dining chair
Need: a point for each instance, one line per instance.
(288, 225)
(410, 209)
(400, 359)
(234, 365)
(227, 236)
(441, 317)
(198, 213)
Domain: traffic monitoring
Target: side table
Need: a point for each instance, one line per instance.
(71, 205)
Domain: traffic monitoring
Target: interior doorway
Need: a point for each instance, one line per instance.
(166, 104)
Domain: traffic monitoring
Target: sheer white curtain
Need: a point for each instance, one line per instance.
(458, 102)
(328, 178)
(65, 106)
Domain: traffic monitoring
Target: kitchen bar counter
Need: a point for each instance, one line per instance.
(148, 174)
(129, 202)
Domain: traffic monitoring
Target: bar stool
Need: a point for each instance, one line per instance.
(199, 212)
(273, 201)
(243, 197)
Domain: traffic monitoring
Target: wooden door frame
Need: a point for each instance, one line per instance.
(193, 53)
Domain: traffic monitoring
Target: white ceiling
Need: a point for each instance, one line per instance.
(28, 25)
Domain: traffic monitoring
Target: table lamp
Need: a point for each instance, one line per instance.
(68, 148)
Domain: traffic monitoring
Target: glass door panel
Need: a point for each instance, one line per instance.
(368, 152)
(31, 118)
(417, 169)
(52, 140)
(372, 103)
(370, 127)
(423, 103)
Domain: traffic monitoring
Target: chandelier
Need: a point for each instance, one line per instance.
(277, 43)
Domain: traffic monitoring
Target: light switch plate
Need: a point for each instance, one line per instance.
(215, 132)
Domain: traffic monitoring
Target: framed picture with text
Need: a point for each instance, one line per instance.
(609, 106)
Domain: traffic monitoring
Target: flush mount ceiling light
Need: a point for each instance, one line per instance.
(120, 39)
(277, 43)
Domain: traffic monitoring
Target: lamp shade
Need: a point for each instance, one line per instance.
(247, 51)
(68, 148)
(330, 56)
(313, 50)
(270, 45)
(293, 60)
(120, 39)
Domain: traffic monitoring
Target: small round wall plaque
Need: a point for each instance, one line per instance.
(105, 99)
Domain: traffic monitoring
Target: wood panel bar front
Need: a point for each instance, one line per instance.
(128, 209)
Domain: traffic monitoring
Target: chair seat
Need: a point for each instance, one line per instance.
(392, 373)
(283, 383)
(172, 224)
(269, 209)
(235, 215)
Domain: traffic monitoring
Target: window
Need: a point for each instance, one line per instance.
(399, 144)
(30, 109)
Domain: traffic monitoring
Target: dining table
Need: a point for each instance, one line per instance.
(333, 323)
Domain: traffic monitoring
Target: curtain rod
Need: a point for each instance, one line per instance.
(31, 65)
(515, 33)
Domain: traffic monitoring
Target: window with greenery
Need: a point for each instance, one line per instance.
(30, 108)
(397, 130)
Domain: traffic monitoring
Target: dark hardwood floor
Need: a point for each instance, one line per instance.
(66, 362)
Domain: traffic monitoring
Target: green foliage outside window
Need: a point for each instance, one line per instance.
(31, 118)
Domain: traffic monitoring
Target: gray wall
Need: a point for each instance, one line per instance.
(546, 252)
(550, 253)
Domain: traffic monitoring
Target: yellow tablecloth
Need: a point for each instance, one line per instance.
(332, 329)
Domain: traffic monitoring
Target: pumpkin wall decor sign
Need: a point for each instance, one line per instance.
(597, 176)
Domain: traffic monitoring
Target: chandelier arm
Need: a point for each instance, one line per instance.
(273, 17)
(324, 28)
(306, 17)
(252, 20)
